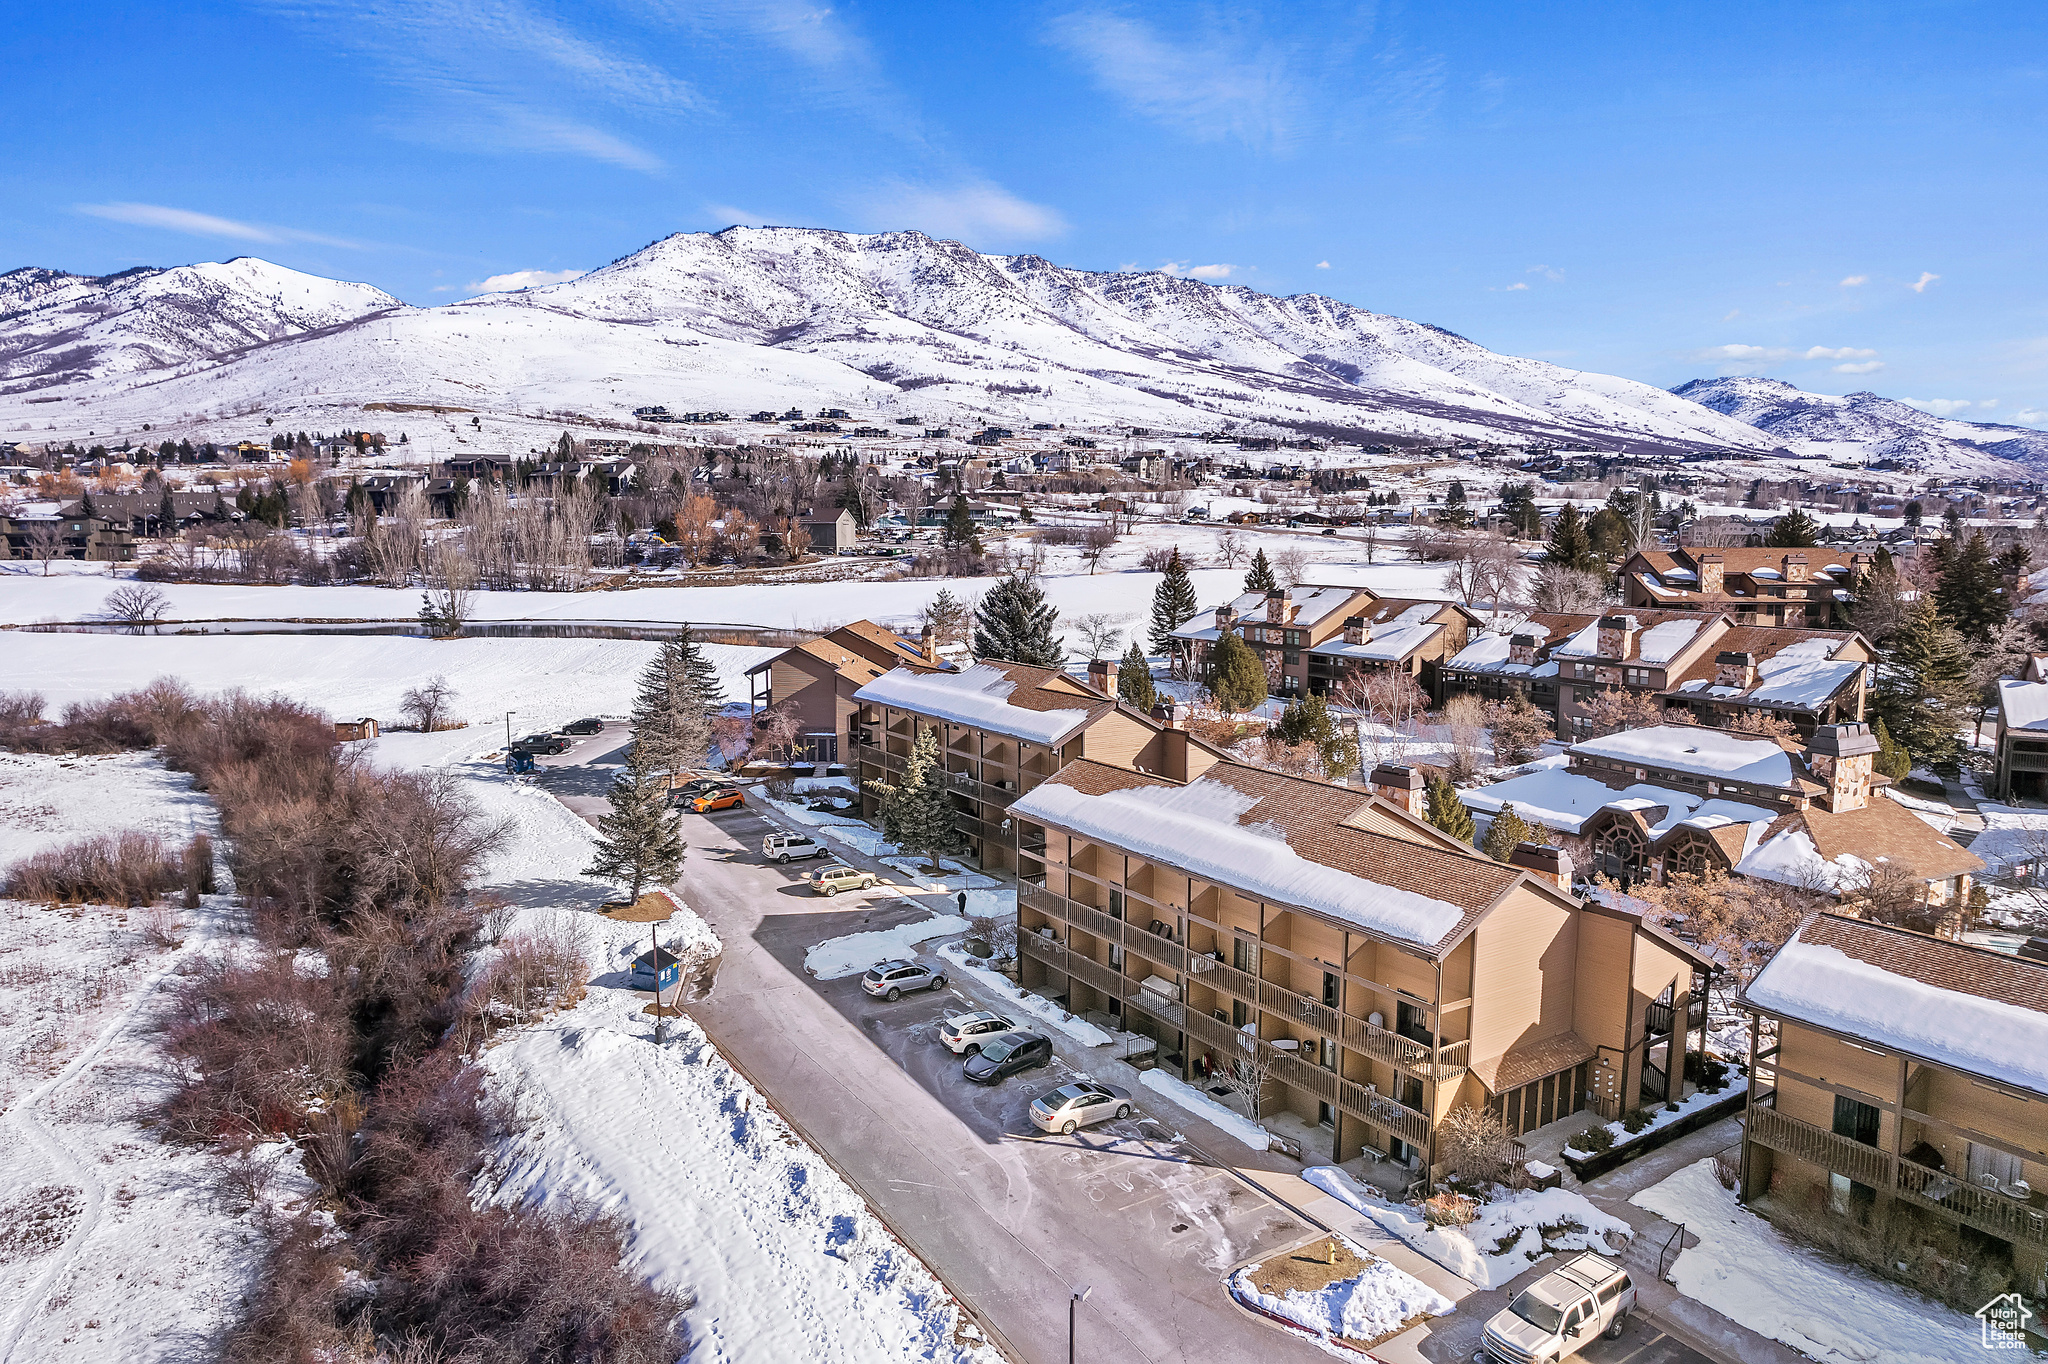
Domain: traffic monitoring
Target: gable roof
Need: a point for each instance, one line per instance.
(1014, 699)
(1311, 603)
(860, 651)
(1816, 846)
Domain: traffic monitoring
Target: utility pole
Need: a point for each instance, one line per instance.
(1074, 1301)
(508, 728)
(655, 935)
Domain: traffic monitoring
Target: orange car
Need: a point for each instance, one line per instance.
(725, 798)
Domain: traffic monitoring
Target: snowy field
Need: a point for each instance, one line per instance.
(1373, 1303)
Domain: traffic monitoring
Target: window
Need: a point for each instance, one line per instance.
(1116, 904)
(1329, 1054)
(1290, 658)
(1857, 1120)
(1244, 955)
(1331, 986)
(1621, 852)
(1413, 1024)
(1292, 638)
(1326, 1116)
(1990, 1163)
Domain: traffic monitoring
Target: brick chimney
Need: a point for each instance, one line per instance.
(1099, 676)
(1841, 757)
(1552, 864)
(1276, 606)
(1522, 650)
(1401, 785)
(1734, 670)
(1795, 568)
(1357, 630)
(1712, 566)
(1617, 636)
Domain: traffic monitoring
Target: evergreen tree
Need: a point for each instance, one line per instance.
(1969, 592)
(1570, 546)
(1923, 687)
(565, 448)
(1507, 830)
(1794, 530)
(1952, 522)
(1518, 507)
(1173, 604)
(1307, 720)
(1891, 760)
(1456, 511)
(672, 713)
(1609, 533)
(1236, 676)
(1260, 579)
(640, 840)
(1912, 513)
(917, 812)
(1134, 679)
(1448, 812)
(1014, 623)
(960, 524)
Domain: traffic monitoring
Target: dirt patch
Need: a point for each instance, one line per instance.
(39, 1223)
(652, 908)
(1308, 1268)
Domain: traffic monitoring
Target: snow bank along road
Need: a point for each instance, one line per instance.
(1010, 1219)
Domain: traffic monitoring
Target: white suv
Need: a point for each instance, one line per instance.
(965, 1032)
(783, 847)
(1561, 1312)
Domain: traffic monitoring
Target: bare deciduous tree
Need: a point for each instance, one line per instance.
(1384, 702)
(1615, 709)
(45, 544)
(1484, 567)
(1231, 549)
(1290, 565)
(1556, 589)
(136, 605)
(426, 705)
(1100, 633)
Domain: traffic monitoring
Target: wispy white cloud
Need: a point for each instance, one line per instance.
(2029, 416)
(1949, 407)
(1919, 286)
(1182, 270)
(1519, 286)
(1322, 265)
(978, 212)
(1867, 367)
(524, 279)
(207, 225)
(1853, 280)
(1748, 354)
(1221, 85)
(1837, 353)
(1731, 314)
(1547, 271)
(1738, 351)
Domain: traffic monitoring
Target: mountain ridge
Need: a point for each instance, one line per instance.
(1865, 425)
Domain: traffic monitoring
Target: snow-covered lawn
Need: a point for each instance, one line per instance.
(1373, 1303)
(1665, 1115)
(856, 952)
(1751, 1273)
(1179, 1091)
(1512, 1231)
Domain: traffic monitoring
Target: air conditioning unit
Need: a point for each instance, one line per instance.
(1007, 785)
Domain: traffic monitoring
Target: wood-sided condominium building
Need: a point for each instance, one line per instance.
(1002, 729)
(1384, 972)
(1909, 1071)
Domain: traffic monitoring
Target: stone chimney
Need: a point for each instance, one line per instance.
(1276, 606)
(1522, 650)
(1795, 568)
(1841, 757)
(1226, 616)
(1735, 670)
(928, 644)
(1712, 566)
(1357, 630)
(1552, 864)
(1171, 714)
(1401, 785)
(1099, 671)
(1617, 636)
(1859, 565)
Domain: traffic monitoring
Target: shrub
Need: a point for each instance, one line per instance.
(1450, 1210)
(20, 709)
(1726, 1168)
(264, 1045)
(105, 869)
(1593, 1139)
(1637, 1119)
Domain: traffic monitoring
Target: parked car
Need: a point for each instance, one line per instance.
(1561, 1312)
(890, 979)
(543, 743)
(837, 877)
(785, 847)
(589, 725)
(718, 798)
(964, 1033)
(1077, 1105)
(1001, 1057)
(1330, 530)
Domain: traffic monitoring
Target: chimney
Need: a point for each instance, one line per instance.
(1841, 758)
(1171, 714)
(1795, 568)
(1522, 651)
(1617, 636)
(1735, 670)
(928, 644)
(1099, 676)
(1711, 568)
(1226, 616)
(1276, 606)
(1400, 784)
(1357, 630)
(1552, 864)
(1859, 564)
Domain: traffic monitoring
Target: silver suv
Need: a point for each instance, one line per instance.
(1561, 1312)
(890, 979)
(837, 877)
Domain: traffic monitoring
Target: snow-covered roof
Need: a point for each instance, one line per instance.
(1564, 801)
(1945, 1002)
(1584, 644)
(1790, 859)
(2023, 704)
(1661, 643)
(1697, 749)
(1793, 681)
(978, 696)
(1195, 829)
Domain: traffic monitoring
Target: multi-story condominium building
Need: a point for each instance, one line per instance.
(1282, 626)
(1753, 586)
(1393, 634)
(2022, 737)
(1377, 971)
(818, 678)
(1003, 728)
(1907, 1071)
(1705, 665)
(1646, 804)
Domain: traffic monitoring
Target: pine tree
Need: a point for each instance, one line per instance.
(1448, 812)
(1260, 579)
(1173, 604)
(1969, 592)
(1794, 530)
(1236, 677)
(1570, 545)
(640, 839)
(917, 812)
(1923, 687)
(1507, 830)
(1891, 760)
(1307, 720)
(671, 714)
(565, 448)
(1456, 511)
(960, 523)
(1014, 623)
(1134, 679)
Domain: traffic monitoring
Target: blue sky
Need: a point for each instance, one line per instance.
(1841, 195)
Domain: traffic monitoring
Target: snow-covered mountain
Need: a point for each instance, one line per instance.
(1863, 426)
(768, 317)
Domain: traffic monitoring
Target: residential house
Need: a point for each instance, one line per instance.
(1393, 634)
(1003, 728)
(818, 678)
(1908, 1073)
(1281, 626)
(2021, 741)
(1495, 665)
(1378, 972)
(1753, 586)
(73, 537)
(153, 514)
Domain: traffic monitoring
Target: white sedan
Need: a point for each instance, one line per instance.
(1076, 1105)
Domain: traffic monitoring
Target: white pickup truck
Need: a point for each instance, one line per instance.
(1561, 1313)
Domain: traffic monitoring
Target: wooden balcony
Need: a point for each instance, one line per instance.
(1936, 1191)
(1292, 1068)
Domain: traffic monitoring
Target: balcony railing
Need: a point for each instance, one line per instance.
(1658, 1016)
(2013, 1219)
(1292, 1068)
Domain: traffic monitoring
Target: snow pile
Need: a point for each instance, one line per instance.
(1195, 828)
(978, 696)
(1828, 987)
(836, 958)
(1513, 1220)
(1016, 1000)
(1663, 1117)
(1374, 1303)
(1192, 1100)
(1749, 1272)
(47, 800)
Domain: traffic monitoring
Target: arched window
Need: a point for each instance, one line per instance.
(1621, 852)
(1692, 857)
